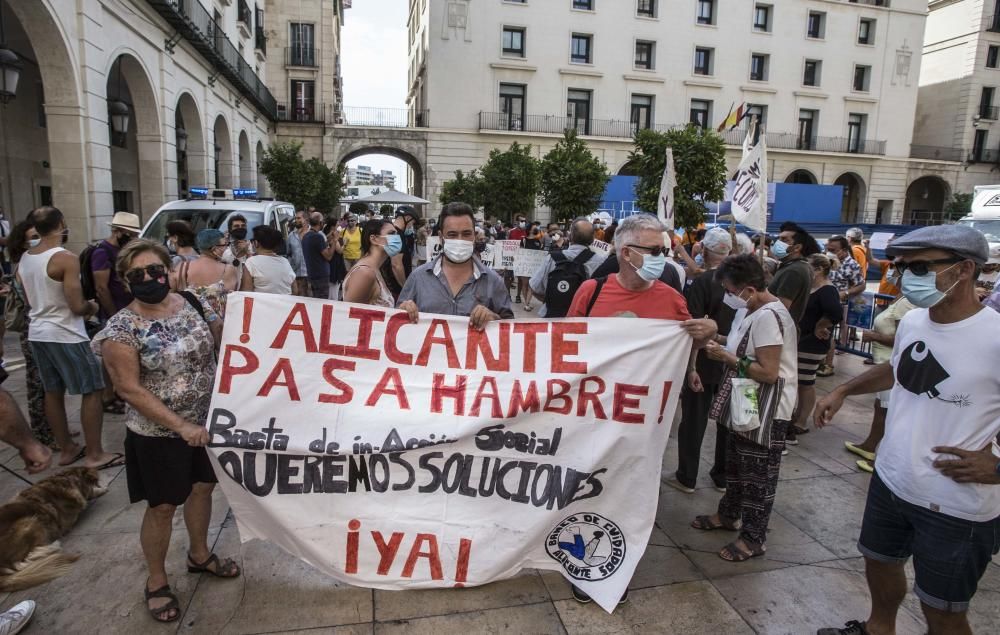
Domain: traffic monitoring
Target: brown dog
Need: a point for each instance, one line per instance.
(34, 520)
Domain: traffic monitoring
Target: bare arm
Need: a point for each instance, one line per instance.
(856, 290)
(247, 283)
(67, 268)
(359, 286)
(398, 272)
(102, 279)
(877, 379)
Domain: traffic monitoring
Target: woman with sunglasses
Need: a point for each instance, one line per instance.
(208, 277)
(160, 352)
(364, 284)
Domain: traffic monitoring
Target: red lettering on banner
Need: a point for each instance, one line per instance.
(462, 565)
(346, 392)
(478, 341)
(229, 371)
(444, 339)
(392, 327)
(562, 347)
(363, 349)
(386, 551)
(325, 330)
(592, 397)
(304, 326)
(440, 391)
(351, 560)
(390, 375)
(530, 330)
(558, 389)
(523, 402)
(432, 555)
(495, 410)
(663, 400)
(624, 400)
(283, 370)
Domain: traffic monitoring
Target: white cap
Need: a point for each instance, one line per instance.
(718, 241)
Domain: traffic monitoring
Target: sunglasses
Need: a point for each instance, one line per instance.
(653, 251)
(921, 267)
(137, 275)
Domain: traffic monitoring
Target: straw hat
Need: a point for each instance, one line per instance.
(126, 221)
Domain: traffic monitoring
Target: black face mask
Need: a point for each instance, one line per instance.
(239, 234)
(150, 291)
(123, 240)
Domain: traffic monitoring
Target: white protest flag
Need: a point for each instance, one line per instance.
(665, 201)
(395, 455)
(749, 204)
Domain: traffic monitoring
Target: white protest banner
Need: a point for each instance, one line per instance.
(665, 201)
(880, 240)
(528, 261)
(600, 247)
(434, 247)
(396, 456)
(506, 254)
(749, 204)
(488, 255)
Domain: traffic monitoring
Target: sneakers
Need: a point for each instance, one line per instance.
(824, 371)
(853, 449)
(18, 616)
(680, 487)
(853, 627)
(865, 466)
(583, 598)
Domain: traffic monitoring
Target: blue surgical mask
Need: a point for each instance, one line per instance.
(34, 242)
(699, 260)
(779, 249)
(652, 267)
(922, 291)
(393, 244)
(409, 231)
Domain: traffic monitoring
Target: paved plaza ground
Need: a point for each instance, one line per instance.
(811, 577)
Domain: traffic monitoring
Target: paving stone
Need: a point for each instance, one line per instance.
(827, 509)
(659, 566)
(690, 607)
(532, 619)
(858, 479)
(367, 628)
(794, 466)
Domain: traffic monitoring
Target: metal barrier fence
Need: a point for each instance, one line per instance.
(861, 312)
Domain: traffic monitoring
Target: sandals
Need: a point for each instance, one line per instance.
(114, 407)
(159, 612)
(118, 460)
(704, 523)
(732, 552)
(223, 568)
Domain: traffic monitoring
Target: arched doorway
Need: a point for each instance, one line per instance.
(262, 185)
(189, 131)
(223, 170)
(135, 139)
(801, 177)
(247, 176)
(628, 169)
(416, 171)
(925, 199)
(852, 209)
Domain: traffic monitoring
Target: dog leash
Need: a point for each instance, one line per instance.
(13, 473)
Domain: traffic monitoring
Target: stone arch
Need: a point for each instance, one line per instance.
(925, 200)
(852, 208)
(193, 162)
(247, 176)
(223, 154)
(410, 160)
(410, 146)
(627, 169)
(138, 166)
(262, 184)
(801, 176)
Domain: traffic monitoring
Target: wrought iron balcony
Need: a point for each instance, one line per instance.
(795, 141)
(383, 117)
(243, 14)
(260, 40)
(984, 155)
(936, 153)
(554, 124)
(303, 112)
(301, 56)
(198, 27)
(989, 112)
(993, 23)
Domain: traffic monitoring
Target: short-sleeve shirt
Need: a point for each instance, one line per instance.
(847, 275)
(704, 298)
(824, 302)
(271, 274)
(658, 301)
(885, 286)
(860, 257)
(295, 257)
(886, 323)
(764, 331)
(793, 281)
(313, 244)
(176, 362)
(540, 280)
(429, 289)
(352, 243)
(103, 258)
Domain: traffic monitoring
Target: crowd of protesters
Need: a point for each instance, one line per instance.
(772, 310)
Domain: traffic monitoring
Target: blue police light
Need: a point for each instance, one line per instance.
(198, 192)
(244, 193)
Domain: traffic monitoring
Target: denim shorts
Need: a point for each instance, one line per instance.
(72, 368)
(950, 554)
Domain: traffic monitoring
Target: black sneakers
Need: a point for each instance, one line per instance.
(583, 598)
(853, 627)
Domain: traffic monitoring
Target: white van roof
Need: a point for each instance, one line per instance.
(986, 202)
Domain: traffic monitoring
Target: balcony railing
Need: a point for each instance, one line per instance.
(302, 113)
(554, 124)
(874, 3)
(300, 56)
(794, 141)
(936, 153)
(383, 117)
(260, 40)
(993, 23)
(984, 155)
(243, 14)
(989, 112)
(198, 27)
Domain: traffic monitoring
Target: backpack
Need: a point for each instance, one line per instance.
(564, 280)
(87, 271)
(597, 292)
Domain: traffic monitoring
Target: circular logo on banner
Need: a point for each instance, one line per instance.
(563, 286)
(588, 546)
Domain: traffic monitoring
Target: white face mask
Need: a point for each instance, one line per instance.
(989, 277)
(458, 251)
(734, 301)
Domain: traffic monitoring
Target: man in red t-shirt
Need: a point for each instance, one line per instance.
(519, 231)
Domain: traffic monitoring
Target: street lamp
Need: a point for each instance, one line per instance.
(118, 111)
(182, 140)
(10, 72)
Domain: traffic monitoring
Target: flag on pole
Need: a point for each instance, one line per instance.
(665, 202)
(735, 116)
(749, 204)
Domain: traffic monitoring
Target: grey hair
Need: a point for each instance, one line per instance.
(855, 233)
(628, 230)
(742, 245)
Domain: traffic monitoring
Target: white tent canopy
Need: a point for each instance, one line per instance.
(392, 197)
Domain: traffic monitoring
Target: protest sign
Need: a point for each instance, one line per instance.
(506, 254)
(880, 240)
(395, 455)
(528, 261)
(600, 247)
(488, 254)
(434, 247)
(861, 310)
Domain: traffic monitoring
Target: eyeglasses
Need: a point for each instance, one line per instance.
(921, 267)
(223, 245)
(653, 251)
(137, 275)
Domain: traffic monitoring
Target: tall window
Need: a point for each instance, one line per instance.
(706, 11)
(816, 25)
(578, 110)
(862, 77)
(513, 41)
(512, 100)
(644, 54)
(760, 112)
(762, 17)
(303, 100)
(807, 129)
(580, 48)
(811, 73)
(978, 145)
(758, 67)
(702, 61)
(992, 55)
(701, 112)
(585, 5)
(642, 112)
(302, 44)
(646, 8)
(866, 31)
(856, 132)
(986, 108)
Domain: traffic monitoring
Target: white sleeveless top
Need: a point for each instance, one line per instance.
(51, 318)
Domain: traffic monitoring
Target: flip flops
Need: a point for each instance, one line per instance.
(738, 555)
(117, 461)
(79, 455)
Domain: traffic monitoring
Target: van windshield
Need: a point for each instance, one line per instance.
(215, 218)
(990, 228)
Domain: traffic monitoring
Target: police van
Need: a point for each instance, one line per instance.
(211, 209)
